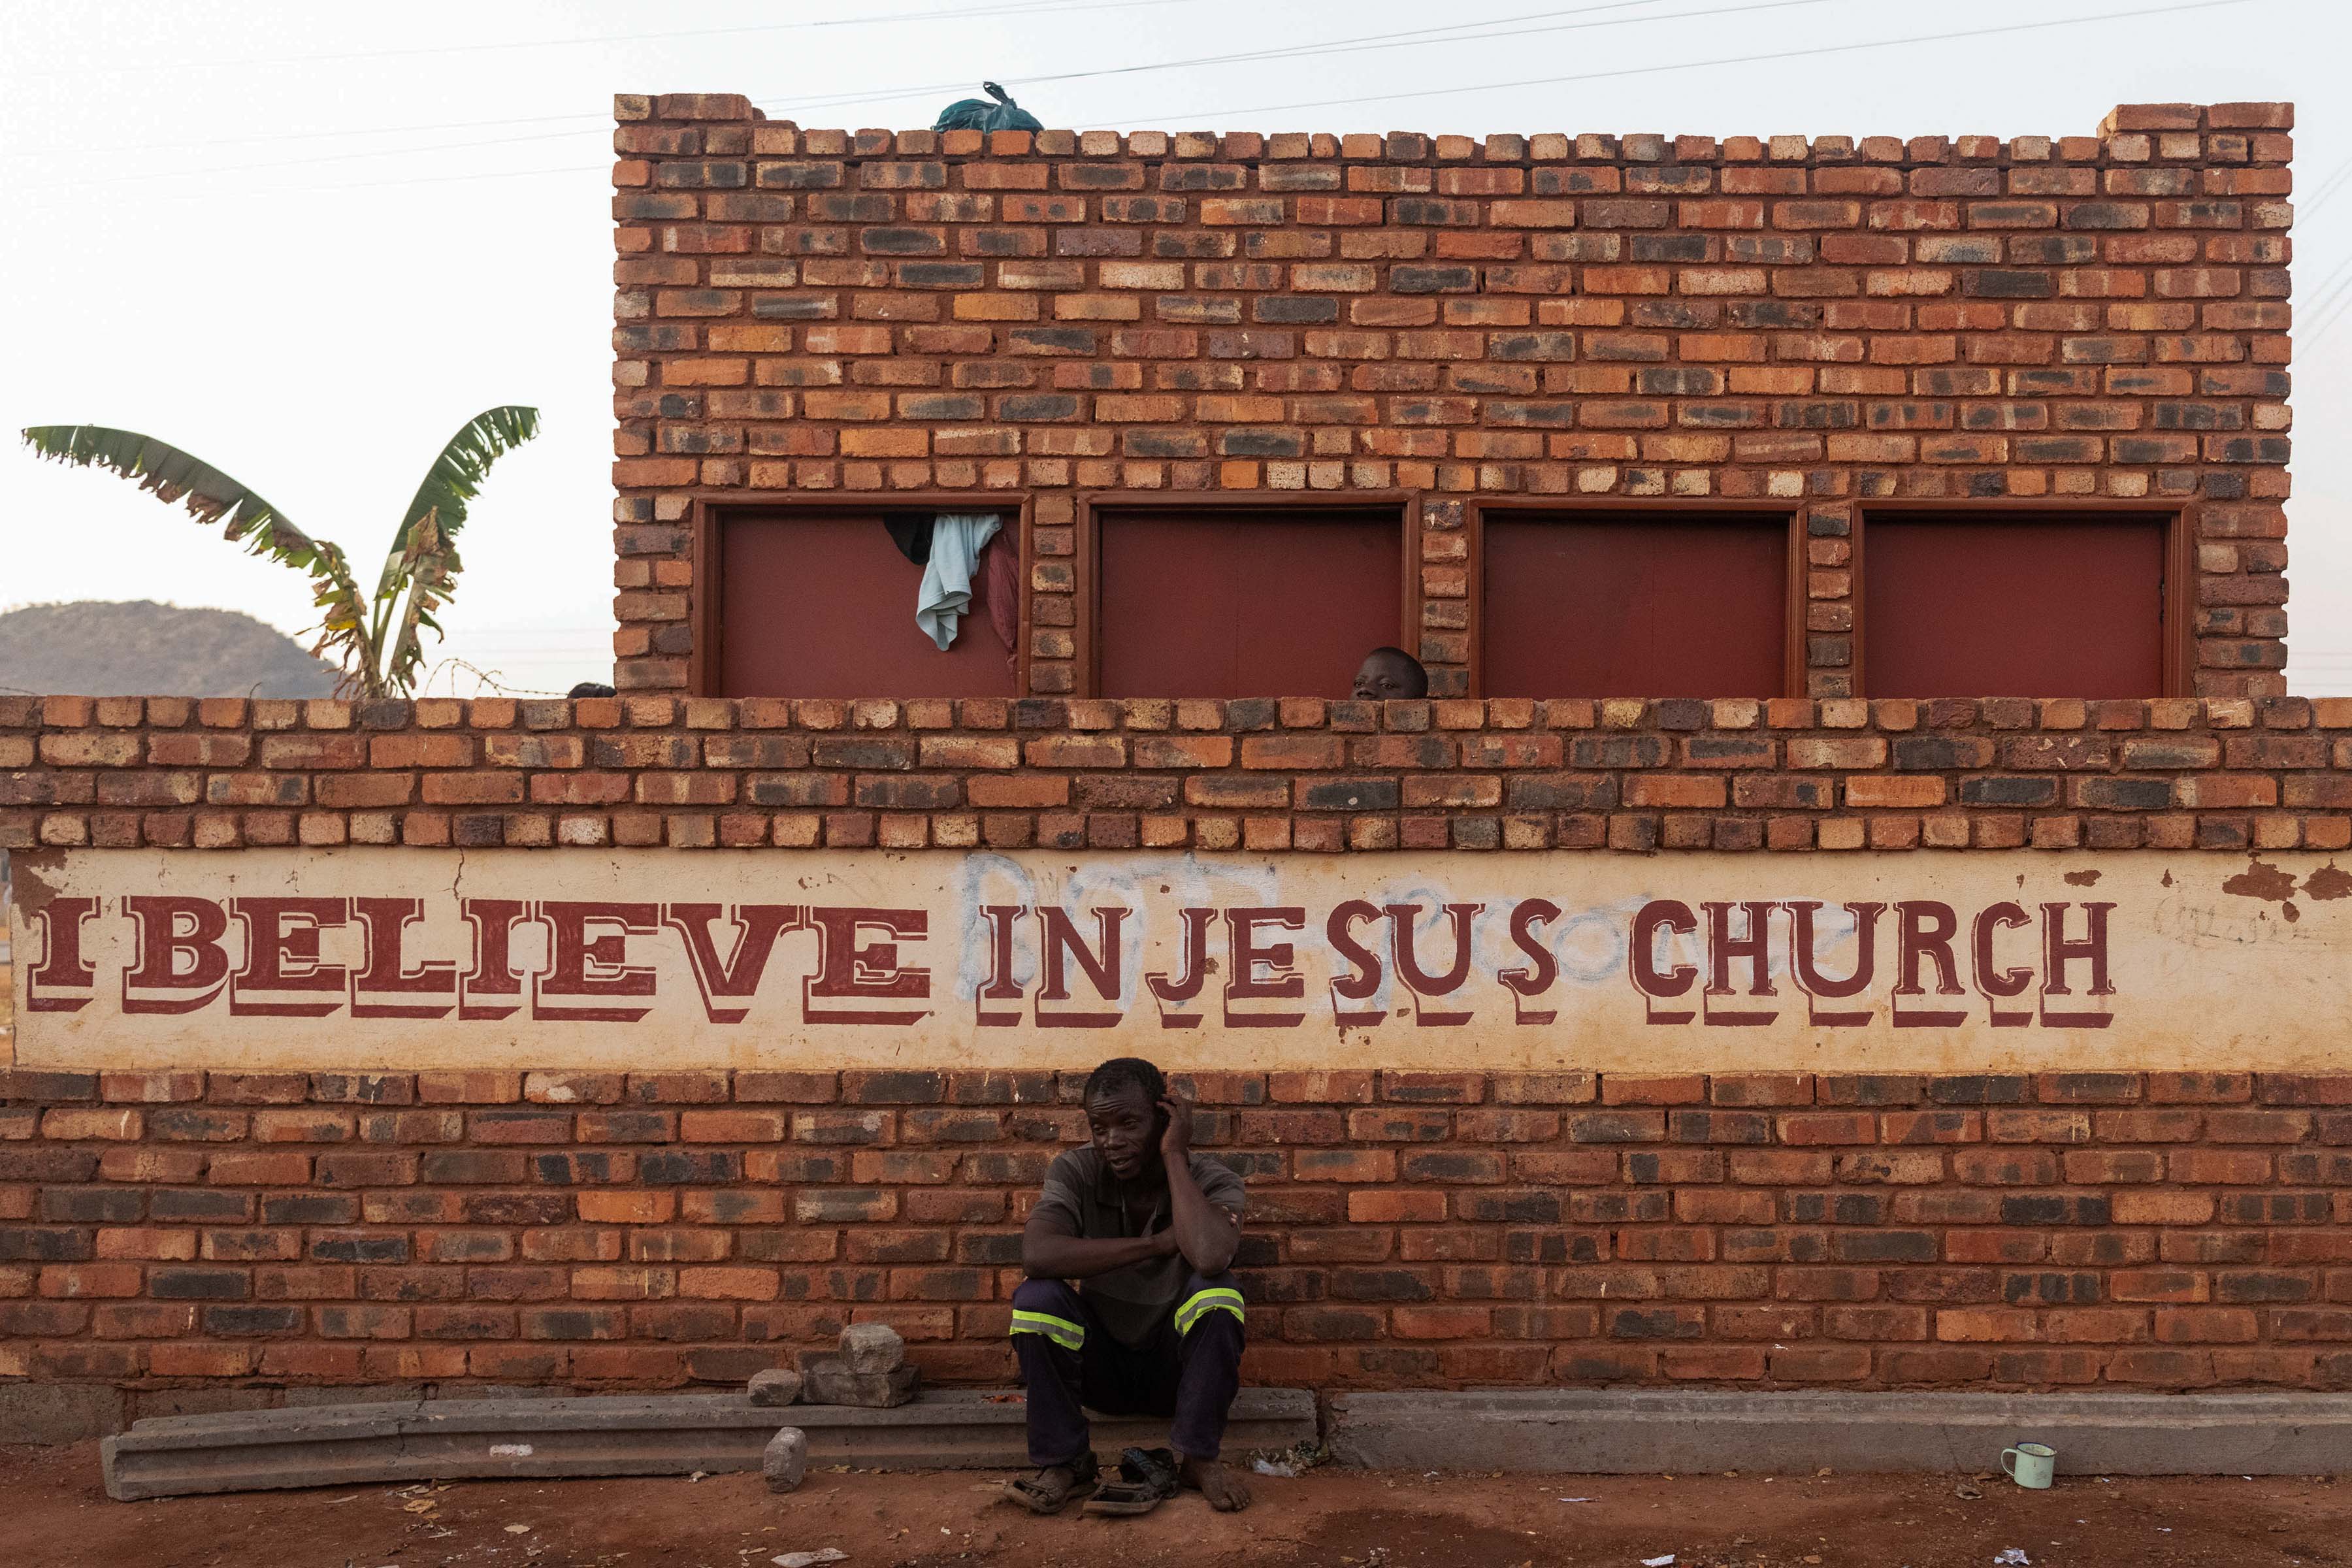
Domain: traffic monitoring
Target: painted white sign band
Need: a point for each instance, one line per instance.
(408, 959)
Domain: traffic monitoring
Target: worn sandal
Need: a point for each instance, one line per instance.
(1039, 1495)
(1148, 1478)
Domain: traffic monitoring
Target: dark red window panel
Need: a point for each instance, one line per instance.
(1624, 605)
(2013, 605)
(1245, 604)
(823, 605)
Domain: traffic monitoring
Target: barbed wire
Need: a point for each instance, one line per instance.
(483, 677)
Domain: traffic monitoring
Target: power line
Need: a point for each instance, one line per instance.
(1374, 42)
(2325, 290)
(876, 96)
(1748, 59)
(2324, 322)
(2329, 303)
(1027, 8)
(301, 162)
(1588, 76)
(342, 185)
(2329, 298)
(604, 117)
(2321, 335)
(2327, 189)
(1469, 32)
(319, 191)
(1335, 46)
(1415, 38)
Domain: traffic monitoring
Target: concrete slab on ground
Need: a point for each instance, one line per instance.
(618, 1434)
(1636, 1431)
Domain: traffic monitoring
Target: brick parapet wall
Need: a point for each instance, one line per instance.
(2156, 1230)
(1258, 775)
(1830, 323)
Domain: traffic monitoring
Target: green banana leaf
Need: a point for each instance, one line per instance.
(174, 476)
(423, 564)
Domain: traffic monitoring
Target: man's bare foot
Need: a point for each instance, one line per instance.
(1053, 1487)
(1225, 1489)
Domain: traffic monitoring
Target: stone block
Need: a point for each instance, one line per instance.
(784, 1461)
(777, 1385)
(872, 1348)
(829, 1381)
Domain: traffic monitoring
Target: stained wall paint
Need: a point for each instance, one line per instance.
(407, 958)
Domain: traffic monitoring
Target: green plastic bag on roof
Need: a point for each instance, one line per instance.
(980, 114)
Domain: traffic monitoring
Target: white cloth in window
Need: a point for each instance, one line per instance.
(946, 590)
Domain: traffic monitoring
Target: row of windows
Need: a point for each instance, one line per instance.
(1179, 600)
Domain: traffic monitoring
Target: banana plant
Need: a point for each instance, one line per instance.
(377, 638)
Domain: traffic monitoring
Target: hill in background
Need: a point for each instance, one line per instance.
(95, 649)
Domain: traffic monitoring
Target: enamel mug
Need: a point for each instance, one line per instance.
(2030, 1464)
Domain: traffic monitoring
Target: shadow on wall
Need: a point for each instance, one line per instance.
(8, 975)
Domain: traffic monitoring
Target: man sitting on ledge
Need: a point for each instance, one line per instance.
(1155, 1329)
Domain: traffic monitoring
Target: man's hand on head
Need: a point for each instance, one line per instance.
(1176, 1143)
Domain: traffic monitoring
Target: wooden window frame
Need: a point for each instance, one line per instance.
(709, 511)
(1635, 507)
(1091, 507)
(2178, 647)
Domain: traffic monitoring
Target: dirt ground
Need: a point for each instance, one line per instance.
(58, 1517)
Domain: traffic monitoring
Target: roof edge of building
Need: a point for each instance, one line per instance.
(786, 137)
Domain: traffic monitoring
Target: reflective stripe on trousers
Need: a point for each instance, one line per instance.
(1061, 1330)
(1215, 1299)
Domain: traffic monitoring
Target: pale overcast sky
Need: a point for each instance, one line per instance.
(307, 241)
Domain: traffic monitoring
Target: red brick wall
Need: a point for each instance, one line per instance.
(1830, 323)
(2159, 1230)
(1293, 773)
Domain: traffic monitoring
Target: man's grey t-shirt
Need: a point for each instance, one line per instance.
(1130, 1301)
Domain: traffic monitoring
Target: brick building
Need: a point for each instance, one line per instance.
(1935, 489)
(1446, 334)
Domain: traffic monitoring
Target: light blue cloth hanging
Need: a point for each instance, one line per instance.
(957, 539)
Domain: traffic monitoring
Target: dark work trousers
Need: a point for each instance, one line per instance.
(1189, 1368)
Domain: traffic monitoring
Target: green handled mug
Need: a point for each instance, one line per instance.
(2030, 1465)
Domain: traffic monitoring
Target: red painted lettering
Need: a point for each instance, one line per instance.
(1170, 992)
(1001, 987)
(62, 967)
(281, 957)
(737, 979)
(1282, 983)
(383, 972)
(1059, 938)
(2058, 951)
(1995, 982)
(1805, 963)
(1420, 982)
(493, 973)
(158, 944)
(1525, 984)
(1660, 916)
(866, 973)
(1924, 930)
(1363, 981)
(1753, 946)
(593, 967)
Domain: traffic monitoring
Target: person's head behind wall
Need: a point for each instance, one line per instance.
(591, 689)
(1389, 674)
(1124, 1115)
